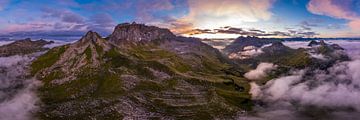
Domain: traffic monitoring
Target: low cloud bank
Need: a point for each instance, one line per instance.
(248, 52)
(260, 72)
(307, 94)
(17, 91)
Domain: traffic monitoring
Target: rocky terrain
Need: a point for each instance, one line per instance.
(146, 72)
(139, 72)
(22, 47)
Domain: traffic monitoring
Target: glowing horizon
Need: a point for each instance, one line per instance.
(194, 18)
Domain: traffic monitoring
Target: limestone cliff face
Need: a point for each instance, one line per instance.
(125, 33)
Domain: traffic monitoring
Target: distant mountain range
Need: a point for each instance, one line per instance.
(60, 35)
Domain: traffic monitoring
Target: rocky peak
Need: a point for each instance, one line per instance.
(92, 39)
(71, 58)
(313, 43)
(276, 47)
(323, 44)
(90, 36)
(134, 32)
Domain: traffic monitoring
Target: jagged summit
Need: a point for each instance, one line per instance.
(322, 43)
(90, 36)
(277, 48)
(93, 39)
(134, 32)
(315, 43)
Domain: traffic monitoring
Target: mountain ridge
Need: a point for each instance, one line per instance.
(23, 47)
(171, 77)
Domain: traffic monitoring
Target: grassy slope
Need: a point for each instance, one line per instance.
(104, 83)
(47, 59)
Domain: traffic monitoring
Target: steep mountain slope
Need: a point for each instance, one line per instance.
(140, 72)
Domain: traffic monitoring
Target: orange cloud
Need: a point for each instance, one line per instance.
(212, 14)
(340, 11)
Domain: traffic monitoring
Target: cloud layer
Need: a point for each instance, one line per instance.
(304, 94)
(260, 72)
(17, 92)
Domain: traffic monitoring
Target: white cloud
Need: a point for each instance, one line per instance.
(247, 52)
(17, 92)
(212, 14)
(260, 72)
(318, 56)
(334, 90)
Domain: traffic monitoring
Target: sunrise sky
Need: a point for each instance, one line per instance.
(196, 18)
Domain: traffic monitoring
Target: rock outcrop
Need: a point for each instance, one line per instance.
(134, 33)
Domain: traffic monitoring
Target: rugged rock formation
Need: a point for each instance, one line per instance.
(138, 33)
(313, 43)
(162, 78)
(22, 47)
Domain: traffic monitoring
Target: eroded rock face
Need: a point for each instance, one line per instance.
(22, 47)
(133, 33)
